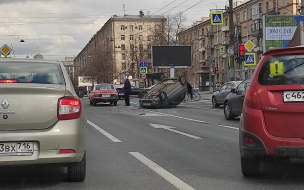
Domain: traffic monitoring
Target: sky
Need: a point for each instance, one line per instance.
(61, 28)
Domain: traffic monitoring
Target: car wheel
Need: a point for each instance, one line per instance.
(182, 80)
(77, 171)
(250, 166)
(163, 96)
(227, 111)
(91, 103)
(119, 98)
(94, 103)
(214, 103)
(115, 103)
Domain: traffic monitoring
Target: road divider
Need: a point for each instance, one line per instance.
(179, 184)
(169, 128)
(111, 137)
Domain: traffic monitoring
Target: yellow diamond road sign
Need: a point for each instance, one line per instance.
(249, 45)
(5, 50)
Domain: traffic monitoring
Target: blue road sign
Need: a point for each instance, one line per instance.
(216, 18)
(143, 64)
(143, 70)
(250, 59)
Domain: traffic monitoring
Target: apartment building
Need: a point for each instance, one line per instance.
(117, 49)
(207, 41)
(69, 66)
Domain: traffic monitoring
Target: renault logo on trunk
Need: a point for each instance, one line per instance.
(5, 104)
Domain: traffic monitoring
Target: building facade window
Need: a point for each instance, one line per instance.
(245, 31)
(245, 15)
(122, 27)
(123, 56)
(123, 47)
(140, 27)
(149, 46)
(131, 37)
(140, 37)
(122, 37)
(131, 28)
(267, 7)
(149, 38)
(148, 28)
(124, 66)
(132, 47)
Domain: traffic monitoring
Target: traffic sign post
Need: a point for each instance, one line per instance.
(143, 64)
(216, 18)
(143, 70)
(250, 60)
(5, 50)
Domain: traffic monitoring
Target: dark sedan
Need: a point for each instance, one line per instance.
(233, 103)
(219, 95)
(121, 91)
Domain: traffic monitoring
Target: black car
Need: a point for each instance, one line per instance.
(168, 93)
(121, 91)
(220, 94)
(233, 103)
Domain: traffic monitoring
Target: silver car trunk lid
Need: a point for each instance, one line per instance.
(29, 106)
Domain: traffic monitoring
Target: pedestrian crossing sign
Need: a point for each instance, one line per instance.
(143, 70)
(216, 19)
(250, 59)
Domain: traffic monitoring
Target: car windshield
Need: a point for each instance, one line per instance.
(30, 72)
(282, 69)
(104, 87)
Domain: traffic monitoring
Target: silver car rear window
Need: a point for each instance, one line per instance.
(282, 70)
(30, 72)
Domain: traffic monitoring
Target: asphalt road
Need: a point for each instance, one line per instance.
(188, 147)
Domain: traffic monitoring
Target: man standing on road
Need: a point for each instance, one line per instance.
(190, 90)
(127, 88)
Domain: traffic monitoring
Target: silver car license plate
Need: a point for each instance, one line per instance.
(16, 148)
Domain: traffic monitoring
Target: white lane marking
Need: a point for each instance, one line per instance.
(111, 137)
(162, 172)
(229, 127)
(169, 128)
(195, 120)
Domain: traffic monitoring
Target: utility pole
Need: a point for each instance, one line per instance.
(231, 39)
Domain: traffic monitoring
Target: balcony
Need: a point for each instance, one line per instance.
(201, 37)
(202, 61)
(225, 42)
(225, 29)
(258, 49)
(210, 46)
(258, 16)
(210, 33)
(257, 33)
(202, 49)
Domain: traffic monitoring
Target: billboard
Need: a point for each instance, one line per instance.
(279, 30)
(86, 81)
(171, 57)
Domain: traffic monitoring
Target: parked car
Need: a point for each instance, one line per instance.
(271, 126)
(42, 119)
(168, 93)
(233, 103)
(220, 94)
(121, 91)
(105, 93)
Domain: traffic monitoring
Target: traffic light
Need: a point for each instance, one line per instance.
(241, 53)
(216, 70)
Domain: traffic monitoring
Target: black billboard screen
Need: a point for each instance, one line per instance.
(171, 56)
